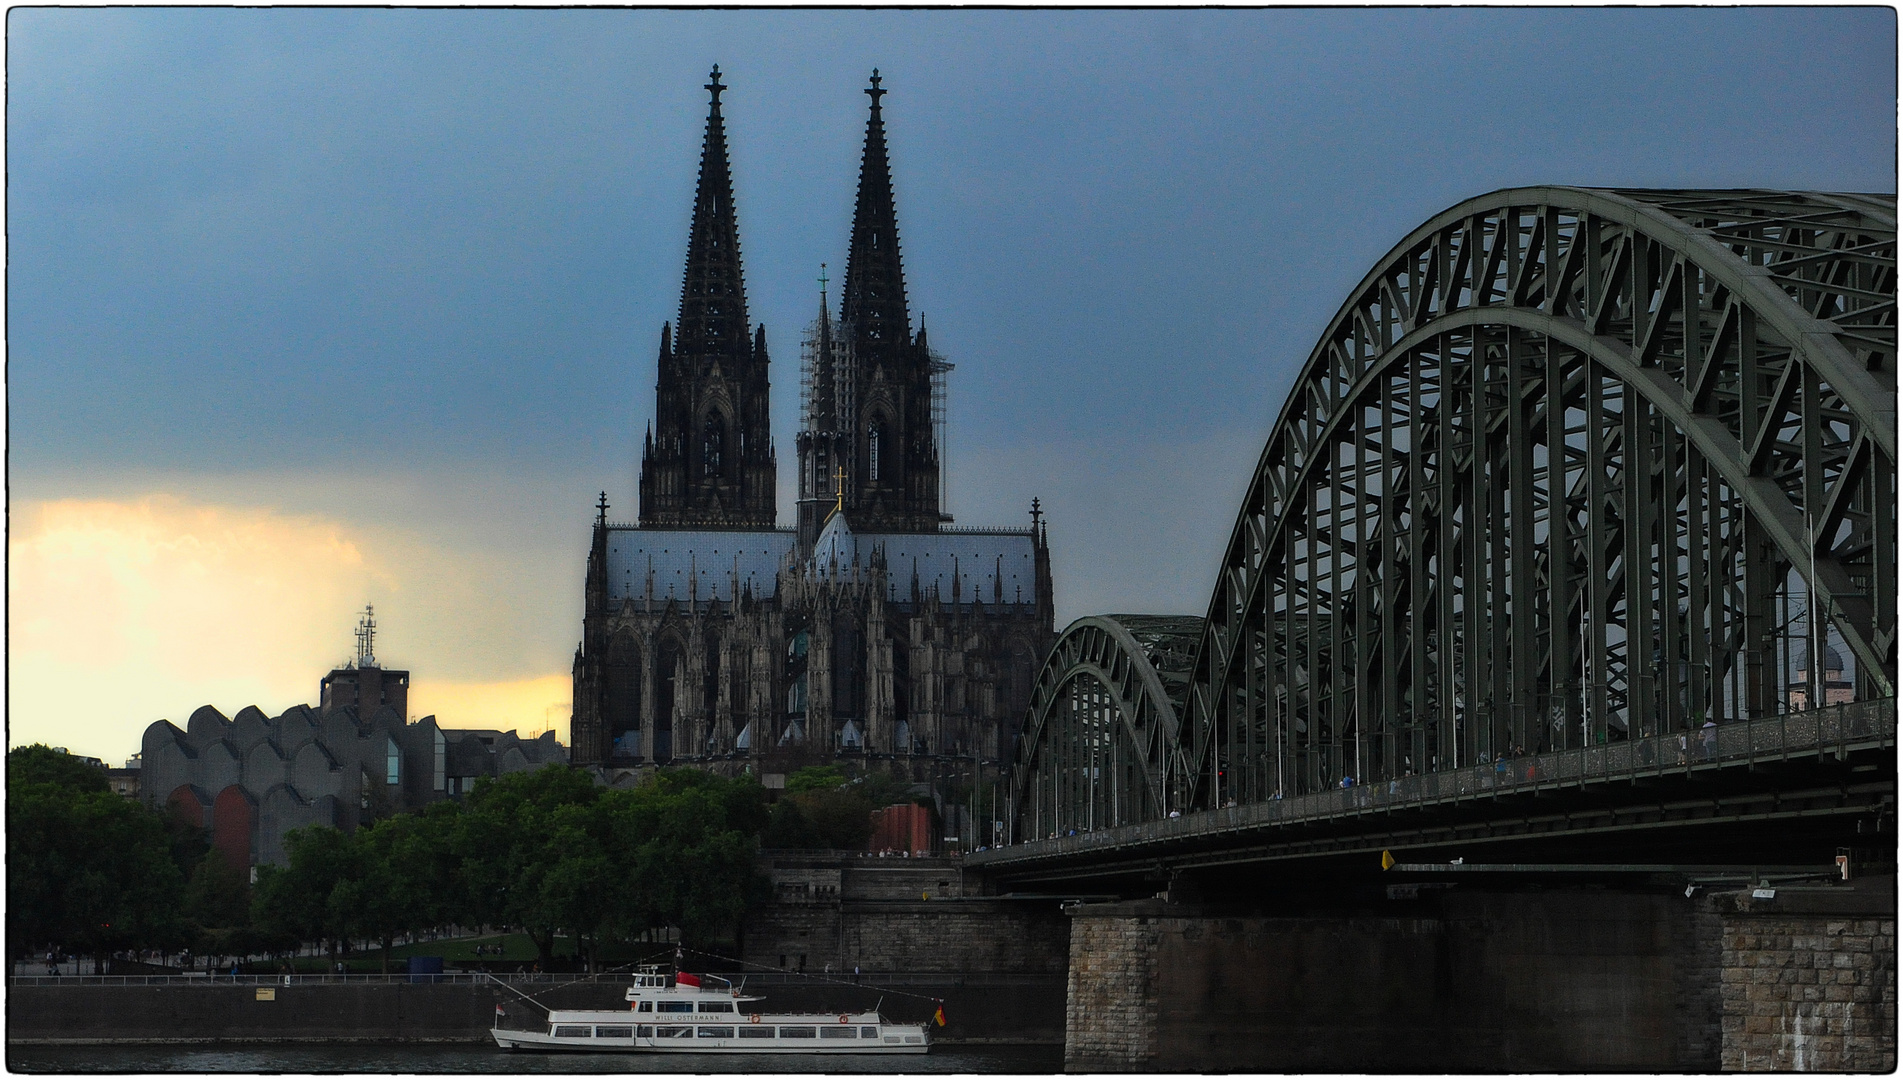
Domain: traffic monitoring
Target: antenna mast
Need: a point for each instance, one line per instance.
(366, 638)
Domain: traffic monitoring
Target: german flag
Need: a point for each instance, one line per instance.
(939, 1016)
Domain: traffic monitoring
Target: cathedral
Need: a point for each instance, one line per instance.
(871, 630)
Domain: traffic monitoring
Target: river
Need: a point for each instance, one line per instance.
(470, 1058)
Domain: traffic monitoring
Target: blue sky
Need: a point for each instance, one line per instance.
(396, 278)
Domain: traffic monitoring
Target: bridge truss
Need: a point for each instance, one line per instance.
(1569, 468)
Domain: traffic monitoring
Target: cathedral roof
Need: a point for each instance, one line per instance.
(701, 564)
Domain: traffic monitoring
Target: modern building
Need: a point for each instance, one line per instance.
(869, 630)
(252, 778)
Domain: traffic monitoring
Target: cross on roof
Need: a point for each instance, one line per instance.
(715, 84)
(874, 90)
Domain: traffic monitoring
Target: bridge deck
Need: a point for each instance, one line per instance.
(1838, 731)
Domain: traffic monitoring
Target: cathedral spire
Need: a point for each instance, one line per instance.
(710, 464)
(873, 298)
(713, 318)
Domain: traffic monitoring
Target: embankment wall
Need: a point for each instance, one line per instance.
(1529, 981)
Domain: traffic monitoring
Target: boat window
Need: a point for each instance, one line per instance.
(709, 1005)
(761, 1032)
(676, 1006)
(572, 1031)
(716, 1033)
(646, 1031)
(671, 1031)
(838, 1033)
(618, 1031)
(869, 1033)
(645, 1006)
(796, 1033)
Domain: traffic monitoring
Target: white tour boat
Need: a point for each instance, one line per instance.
(677, 1014)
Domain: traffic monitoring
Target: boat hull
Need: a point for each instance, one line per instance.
(542, 1041)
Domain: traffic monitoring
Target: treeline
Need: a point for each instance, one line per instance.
(95, 873)
(548, 852)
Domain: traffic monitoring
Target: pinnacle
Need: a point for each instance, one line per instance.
(713, 317)
(873, 299)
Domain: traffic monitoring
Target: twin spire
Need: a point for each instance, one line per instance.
(709, 462)
(713, 317)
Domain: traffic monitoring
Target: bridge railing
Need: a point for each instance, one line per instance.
(1839, 728)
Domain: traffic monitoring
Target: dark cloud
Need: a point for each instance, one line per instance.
(321, 238)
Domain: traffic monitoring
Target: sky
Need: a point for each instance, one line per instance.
(312, 308)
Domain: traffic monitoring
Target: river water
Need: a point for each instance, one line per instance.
(470, 1058)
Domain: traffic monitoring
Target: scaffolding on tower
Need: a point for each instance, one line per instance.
(940, 368)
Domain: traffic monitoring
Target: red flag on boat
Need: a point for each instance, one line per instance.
(684, 979)
(940, 1016)
(499, 1011)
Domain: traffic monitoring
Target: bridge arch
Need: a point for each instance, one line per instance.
(1101, 738)
(1567, 467)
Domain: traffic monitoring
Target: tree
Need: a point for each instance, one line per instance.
(86, 867)
(504, 844)
(41, 764)
(816, 778)
(693, 836)
(218, 894)
(584, 889)
(292, 903)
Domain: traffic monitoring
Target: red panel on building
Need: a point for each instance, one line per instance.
(185, 805)
(905, 827)
(233, 821)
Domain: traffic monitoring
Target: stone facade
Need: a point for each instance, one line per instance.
(1110, 1001)
(1475, 980)
(839, 911)
(710, 636)
(1808, 990)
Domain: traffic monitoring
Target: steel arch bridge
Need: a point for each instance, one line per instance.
(1569, 468)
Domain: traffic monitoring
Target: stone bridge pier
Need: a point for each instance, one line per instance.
(1566, 978)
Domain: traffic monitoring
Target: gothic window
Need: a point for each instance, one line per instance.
(713, 435)
(796, 649)
(849, 667)
(622, 707)
(710, 677)
(669, 662)
(873, 439)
